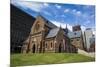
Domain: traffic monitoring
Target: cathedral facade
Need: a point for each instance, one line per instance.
(47, 37)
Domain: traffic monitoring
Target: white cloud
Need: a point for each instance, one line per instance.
(69, 27)
(63, 16)
(63, 25)
(78, 13)
(66, 10)
(87, 7)
(18, 3)
(74, 10)
(85, 15)
(83, 28)
(94, 32)
(47, 13)
(88, 21)
(92, 16)
(35, 6)
(58, 6)
(46, 4)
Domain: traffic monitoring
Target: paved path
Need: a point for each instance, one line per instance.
(92, 54)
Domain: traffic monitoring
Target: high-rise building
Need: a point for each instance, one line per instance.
(92, 44)
(87, 35)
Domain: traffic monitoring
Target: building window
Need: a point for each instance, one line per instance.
(37, 25)
(46, 45)
(32, 41)
(77, 39)
(74, 33)
(71, 40)
(51, 45)
(55, 43)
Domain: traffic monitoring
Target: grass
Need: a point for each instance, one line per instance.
(47, 58)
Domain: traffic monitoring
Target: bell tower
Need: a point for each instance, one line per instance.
(76, 28)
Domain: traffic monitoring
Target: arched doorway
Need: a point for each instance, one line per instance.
(33, 48)
(60, 48)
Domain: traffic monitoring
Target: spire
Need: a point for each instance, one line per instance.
(66, 27)
(60, 26)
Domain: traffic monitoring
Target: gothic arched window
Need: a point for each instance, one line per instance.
(51, 45)
(46, 45)
(37, 25)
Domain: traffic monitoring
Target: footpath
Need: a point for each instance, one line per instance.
(90, 54)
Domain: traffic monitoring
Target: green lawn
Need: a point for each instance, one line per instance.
(47, 58)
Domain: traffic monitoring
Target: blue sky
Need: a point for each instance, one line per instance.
(61, 14)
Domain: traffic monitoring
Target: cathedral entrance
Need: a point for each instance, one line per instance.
(60, 48)
(33, 48)
(40, 49)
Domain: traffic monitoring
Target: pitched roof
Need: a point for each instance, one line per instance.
(51, 25)
(48, 23)
(74, 34)
(66, 31)
(53, 32)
